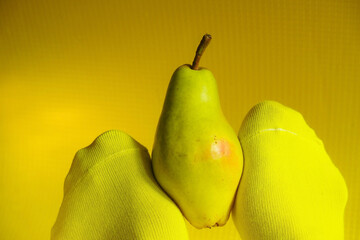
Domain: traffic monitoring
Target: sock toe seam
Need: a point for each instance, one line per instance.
(260, 132)
(88, 171)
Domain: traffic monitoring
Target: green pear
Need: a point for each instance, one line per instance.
(197, 157)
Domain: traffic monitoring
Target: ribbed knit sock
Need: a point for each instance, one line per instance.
(290, 188)
(110, 193)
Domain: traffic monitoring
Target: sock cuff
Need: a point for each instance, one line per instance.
(104, 146)
(273, 116)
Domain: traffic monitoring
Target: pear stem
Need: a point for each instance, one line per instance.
(200, 50)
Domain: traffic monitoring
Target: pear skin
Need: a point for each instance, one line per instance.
(196, 157)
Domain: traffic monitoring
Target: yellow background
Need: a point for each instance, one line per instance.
(70, 70)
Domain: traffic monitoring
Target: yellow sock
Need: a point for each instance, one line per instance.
(110, 193)
(290, 188)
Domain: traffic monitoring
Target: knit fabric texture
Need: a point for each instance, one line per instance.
(290, 189)
(110, 193)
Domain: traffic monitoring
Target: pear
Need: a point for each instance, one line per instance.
(196, 157)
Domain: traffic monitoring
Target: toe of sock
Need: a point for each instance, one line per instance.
(112, 141)
(273, 116)
(108, 143)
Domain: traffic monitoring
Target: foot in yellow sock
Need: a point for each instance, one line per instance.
(110, 193)
(290, 188)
